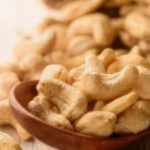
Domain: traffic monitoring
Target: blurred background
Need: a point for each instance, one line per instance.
(16, 16)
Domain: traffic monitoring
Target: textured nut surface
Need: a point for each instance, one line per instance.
(96, 123)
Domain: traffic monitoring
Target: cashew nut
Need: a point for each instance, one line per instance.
(6, 118)
(80, 44)
(122, 103)
(32, 65)
(101, 30)
(74, 10)
(40, 43)
(41, 108)
(142, 86)
(131, 121)
(71, 102)
(127, 59)
(7, 81)
(106, 87)
(96, 123)
(8, 143)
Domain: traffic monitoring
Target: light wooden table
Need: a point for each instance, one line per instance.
(16, 15)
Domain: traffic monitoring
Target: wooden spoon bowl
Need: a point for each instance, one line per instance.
(57, 137)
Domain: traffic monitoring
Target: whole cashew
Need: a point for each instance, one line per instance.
(6, 118)
(120, 104)
(74, 10)
(40, 43)
(71, 102)
(8, 143)
(131, 121)
(96, 123)
(106, 87)
(101, 30)
(41, 108)
(7, 81)
(128, 59)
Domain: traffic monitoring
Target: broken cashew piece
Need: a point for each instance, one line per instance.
(41, 108)
(120, 104)
(106, 87)
(71, 102)
(8, 143)
(96, 123)
(6, 117)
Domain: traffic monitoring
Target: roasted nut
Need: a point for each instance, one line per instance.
(137, 24)
(6, 118)
(97, 86)
(107, 56)
(131, 121)
(120, 104)
(7, 81)
(66, 13)
(32, 65)
(8, 143)
(40, 43)
(99, 105)
(70, 101)
(101, 31)
(96, 123)
(80, 44)
(54, 71)
(41, 108)
(129, 59)
(120, 52)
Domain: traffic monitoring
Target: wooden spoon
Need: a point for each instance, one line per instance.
(57, 137)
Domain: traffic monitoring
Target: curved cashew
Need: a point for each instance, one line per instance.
(71, 102)
(54, 71)
(40, 43)
(142, 86)
(106, 87)
(101, 30)
(80, 44)
(136, 50)
(32, 65)
(136, 24)
(6, 118)
(96, 123)
(128, 59)
(41, 108)
(120, 104)
(7, 81)
(67, 12)
(120, 52)
(132, 121)
(8, 143)
(107, 56)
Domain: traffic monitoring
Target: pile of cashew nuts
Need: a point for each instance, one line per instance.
(92, 60)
